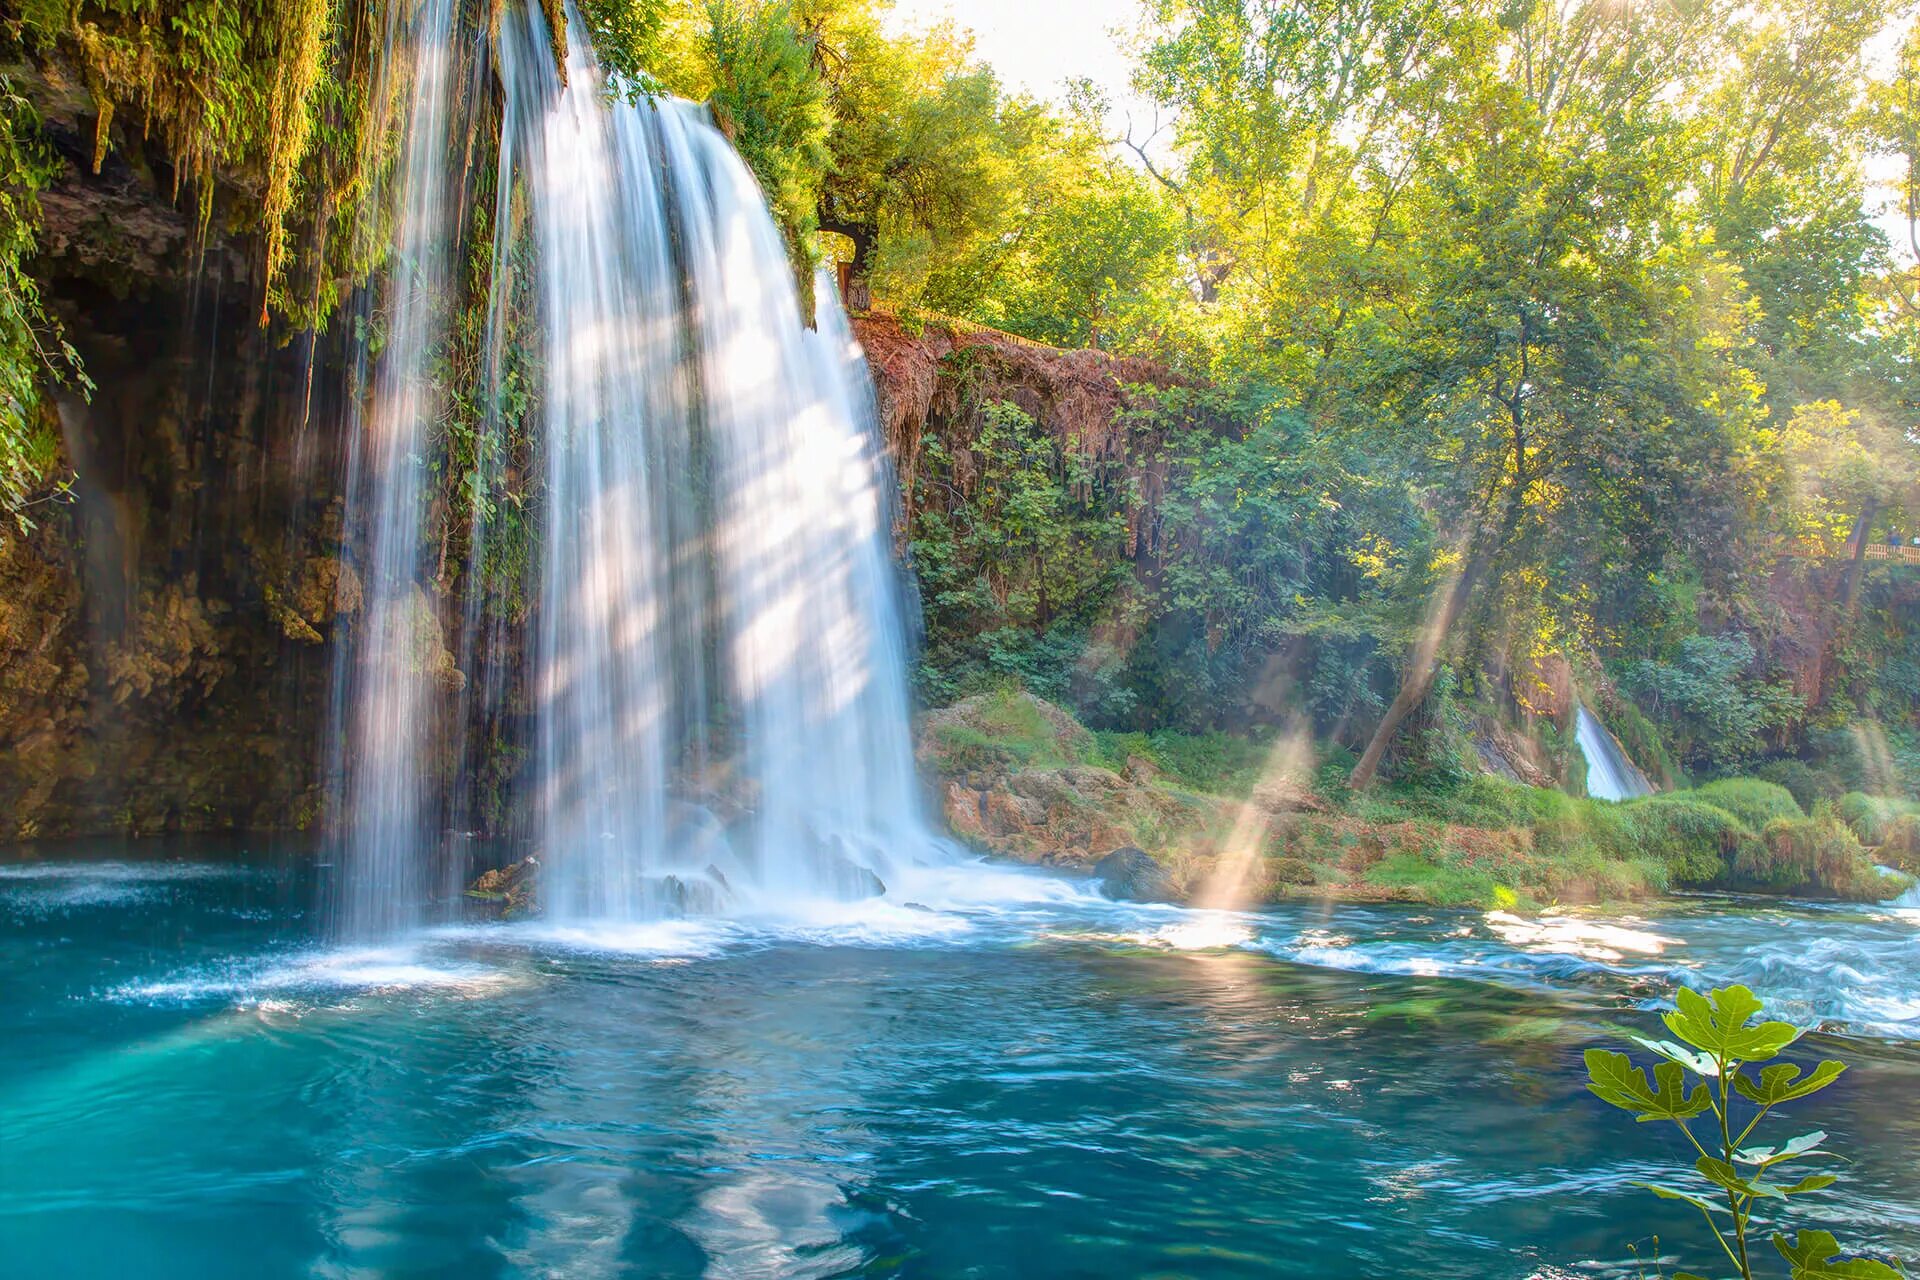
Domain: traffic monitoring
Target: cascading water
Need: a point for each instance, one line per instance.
(1610, 775)
(386, 672)
(717, 692)
(718, 626)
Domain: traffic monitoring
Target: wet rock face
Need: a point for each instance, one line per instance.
(162, 628)
(1131, 875)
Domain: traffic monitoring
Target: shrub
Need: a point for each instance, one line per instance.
(1807, 784)
(1809, 855)
(1901, 848)
(1693, 838)
(1293, 871)
(1872, 818)
(1754, 802)
(1713, 709)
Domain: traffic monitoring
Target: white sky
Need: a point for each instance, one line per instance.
(1036, 45)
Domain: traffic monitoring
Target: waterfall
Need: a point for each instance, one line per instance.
(389, 664)
(1610, 775)
(717, 685)
(720, 670)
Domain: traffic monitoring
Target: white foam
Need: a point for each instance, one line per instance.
(370, 970)
(131, 873)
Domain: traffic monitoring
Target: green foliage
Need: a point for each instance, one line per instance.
(1754, 802)
(1216, 762)
(1016, 543)
(1869, 817)
(1718, 1070)
(632, 39)
(1808, 785)
(1713, 709)
(1008, 729)
(31, 348)
(768, 98)
(1811, 855)
(272, 97)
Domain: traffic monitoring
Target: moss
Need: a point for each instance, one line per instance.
(1429, 880)
(1484, 841)
(1214, 762)
(1690, 837)
(1818, 855)
(269, 102)
(1872, 818)
(1751, 800)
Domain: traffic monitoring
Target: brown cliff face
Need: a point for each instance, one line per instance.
(162, 664)
(936, 379)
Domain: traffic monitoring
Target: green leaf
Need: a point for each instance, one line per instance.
(1816, 1255)
(1722, 1174)
(1782, 1083)
(1812, 1182)
(1717, 1022)
(1668, 1193)
(1698, 1063)
(1613, 1078)
(1792, 1149)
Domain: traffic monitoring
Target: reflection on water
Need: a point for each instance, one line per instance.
(1016, 1081)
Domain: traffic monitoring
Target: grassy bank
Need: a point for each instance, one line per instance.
(1021, 777)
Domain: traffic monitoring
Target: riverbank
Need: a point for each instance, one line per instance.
(1231, 821)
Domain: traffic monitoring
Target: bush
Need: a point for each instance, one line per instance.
(1872, 818)
(1901, 848)
(1712, 707)
(1754, 802)
(1293, 871)
(1693, 838)
(1810, 855)
(1808, 785)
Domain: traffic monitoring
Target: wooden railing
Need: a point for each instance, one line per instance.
(1882, 551)
(1875, 551)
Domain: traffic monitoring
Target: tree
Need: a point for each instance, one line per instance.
(1532, 364)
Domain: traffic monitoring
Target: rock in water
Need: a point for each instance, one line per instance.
(1131, 875)
(509, 892)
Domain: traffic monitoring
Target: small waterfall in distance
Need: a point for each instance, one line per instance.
(1610, 775)
(718, 664)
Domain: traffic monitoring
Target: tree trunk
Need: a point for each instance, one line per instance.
(1858, 568)
(1420, 668)
(856, 291)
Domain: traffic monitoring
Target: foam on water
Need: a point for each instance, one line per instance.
(118, 872)
(398, 968)
(1847, 967)
(47, 888)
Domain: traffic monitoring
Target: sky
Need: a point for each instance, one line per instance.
(1037, 44)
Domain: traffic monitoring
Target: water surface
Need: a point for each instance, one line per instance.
(1007, 1079)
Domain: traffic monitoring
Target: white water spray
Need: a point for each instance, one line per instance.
(720, 666)
(1610, 775)
(385, 676)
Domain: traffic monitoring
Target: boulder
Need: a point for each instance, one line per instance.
(509, 892)
(1132, 875)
